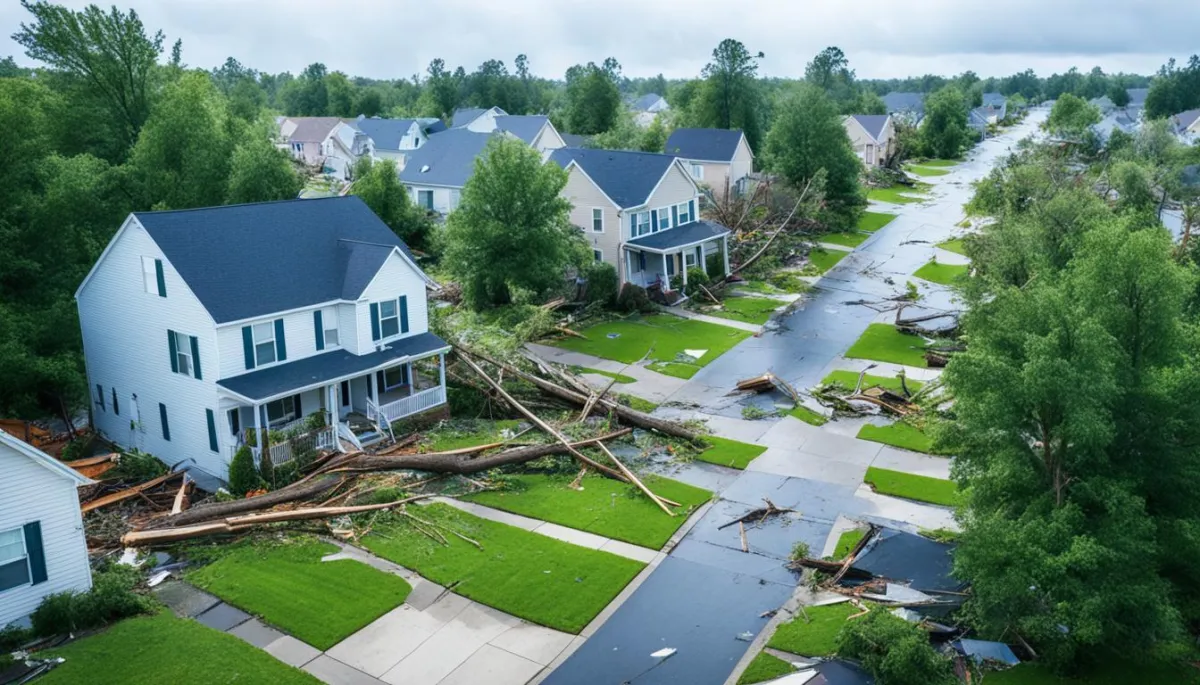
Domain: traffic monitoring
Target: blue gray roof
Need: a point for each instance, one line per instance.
(433, 125)
(525, 127)
(983, 650)
(708, 144)
(246, 261)
(904, 102)
(872, 123)
(386, 133)
(644, 103)
(627, 178)
(574, 140)
(446, 159)
(680, 236)
(994, 99)
(464, 116)
(320, 369)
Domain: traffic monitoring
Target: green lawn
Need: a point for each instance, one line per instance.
(604, 506)
(663, 335)
(909, 486)
(468, 433)
(731, 453)
(618, 377)
(848, 379)
(925, 171)
(288, 586)
(808, 416)
(851, 240)
(748, 309)
(644, 406)
(847, 541)
(538, 578)
(816, 637)
(764, 667)
(954, 245)
(821, 260)
(945, 274)
(760, 287)
(942, 163)
(152, 650)
(790, 282)
(873, 221)
(897, 195)
(882, 342)
(898, 434)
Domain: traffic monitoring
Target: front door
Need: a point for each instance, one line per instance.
(343, 399)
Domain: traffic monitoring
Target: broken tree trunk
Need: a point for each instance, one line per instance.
(831, 567)
(636, 481)
(291, 493)
(128, 492)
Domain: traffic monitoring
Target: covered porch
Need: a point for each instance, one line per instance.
(333, 401)
(660, 261)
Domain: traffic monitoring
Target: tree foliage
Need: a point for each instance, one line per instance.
(1072, 115)
(261, 172)
(593, 100)
(1174, 89)
(378, 184)
(944, 129)
(895, 651)
(730, 96)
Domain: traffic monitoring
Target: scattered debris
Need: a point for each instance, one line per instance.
(761, 513)
(766, 383)
(94, 467)
(664, 653)
(127, 493)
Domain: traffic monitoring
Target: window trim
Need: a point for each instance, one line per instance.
(637, 232)
(149, 277)
(403, 378)
(285, 417)
(598, 254)
(328, 313)
(183, 350)
(20, 530)
(693, 168)
(597, 213)
(681, 209)
(694, 262)
(258, 363)
(382, 318)
(664, 216)
(423, 205)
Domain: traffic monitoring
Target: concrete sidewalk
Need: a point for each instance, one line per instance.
(649, 385)
(728, 323)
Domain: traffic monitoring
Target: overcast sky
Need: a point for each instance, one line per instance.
(883, 38)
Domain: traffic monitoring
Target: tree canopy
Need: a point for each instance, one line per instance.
(944, 129)
(729, 96)
(378, 184)
(1072, 115)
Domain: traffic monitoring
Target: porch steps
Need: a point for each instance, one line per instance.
(369, 438)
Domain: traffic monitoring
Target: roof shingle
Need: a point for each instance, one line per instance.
(627, 178)
(708, 144)
(446, 159)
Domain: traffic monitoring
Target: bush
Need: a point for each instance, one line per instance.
(602, 284)
(12, 637)
(715, 263)
(695, 278)
(633, 298)
(243, 476)
(76, 448)
(895, 651)
(111, 598)
(136, 465)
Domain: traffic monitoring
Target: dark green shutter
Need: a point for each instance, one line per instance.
(174, 351)
(374, 321)
(404, 313)
(158, 273)
(37, 556)
(212, 430)
(654, 221)
(692, 211)
(633, 226)
(196, 357)
(162, 416)
(116, 404)
(248, 346)
(100, 394)
(280, 343)
(318, 330)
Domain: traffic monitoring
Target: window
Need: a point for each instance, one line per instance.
(597, 220)
(664, 218)
(598, 255)
(389, 319)
(298, 148)
(100, 395)
(234, 416)
(329, 321)
(183, 353)
(685, 215)
(394, 377)
(689, 258)
(697, 172)
(425, 199)
(14, 560)
(641, 223)
(870, 154)
(264, 343)
(281, 411)
(149, 275)
(116, 406)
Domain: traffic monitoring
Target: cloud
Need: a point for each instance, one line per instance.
(389, 39)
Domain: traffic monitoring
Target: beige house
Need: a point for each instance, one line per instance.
(873, 137)
(714, 157)
(639, 211)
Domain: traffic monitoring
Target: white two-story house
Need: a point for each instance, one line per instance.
(201, 326)
(639, 211)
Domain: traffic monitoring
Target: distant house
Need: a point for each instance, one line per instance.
(42, 544)
(468, 115)
(437, 171)
(1137, 100)
(574, 140)
(640, 213)
(325, 142)
(306, 317)
(719, 158)
(998, 103)
(1104, 104)
(979, 118)
(873, 137)
(391, 138)
(535, 129)
(1118, 119)
(1186, 126)
(647, 107)
(909, 107)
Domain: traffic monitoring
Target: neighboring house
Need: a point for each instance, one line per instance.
(201, 326)
(1186, 126)
(436, 172)
(1137, 101)
(639, 212)
(42, 545)
(574, 140)
(534, 129)
(391, 138)
(1104, 104)
(873, 137)
(1118, 119)
(647, 107)
(720, 159)
(325, 142)
(907, 106)
(998, 103)
(482, 118)
(978, 119)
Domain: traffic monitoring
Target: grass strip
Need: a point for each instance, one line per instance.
(954, 245)
(663, 336)
(764, 667)
(731, 453)
(620, 378)
(873, 221)
(883, 342)
(816, 636)
(821, 260)
(849, 379)
(910, 486)
(847, 541)
(941, 273)
(898, 434)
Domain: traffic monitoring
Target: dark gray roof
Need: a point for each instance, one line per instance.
(710, 144)
(312, 129)
(644, 103)
(904, 102)
(687, 234)
(1137, 96)
(245, 261)
(839, 672)
(386, 133)
(1185, 119)
(994, 99)
(525, 127)
(323, 368)
(434, 125)
(627, 178)
(446, 159)
(464, 116)
(873, 123)
(574, 140)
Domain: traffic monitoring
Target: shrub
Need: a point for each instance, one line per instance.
(243, 476)
(602, 284)
(76, 448)
(112, 597)
(315, 421)
(633, 298)
(136, 465)
(695, 278)
(12, 637)
(895, 651)
(800, 551)
(266, 469)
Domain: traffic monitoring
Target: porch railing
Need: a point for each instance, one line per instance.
(407, 406)
(285, 451)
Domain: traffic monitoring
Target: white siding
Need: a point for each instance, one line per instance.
(395, 278)
(31, 492)
(299, 336)
(743, 162)
(125, 343)
(348, 330)
(441, 197)
(548, 139)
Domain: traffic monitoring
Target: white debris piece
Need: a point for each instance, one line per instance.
(664, 652)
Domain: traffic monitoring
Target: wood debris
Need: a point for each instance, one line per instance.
(758, 515)
(766, 383)
(128, 492)
(94, 467)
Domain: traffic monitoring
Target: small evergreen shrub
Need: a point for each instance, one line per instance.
(602, 284)
(695, 278)
(243, 476)
(633, 299)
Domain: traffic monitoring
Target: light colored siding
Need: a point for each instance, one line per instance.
(676, 187)
(585, 196)
(441, 197)
(125, 344)
(348, 330)
(31, 492)
(714, 177)
(395, 278)
(743, 162)
(548, 139)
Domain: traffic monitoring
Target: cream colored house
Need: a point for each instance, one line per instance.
(873, 137)
(714, 157)
(639, 212)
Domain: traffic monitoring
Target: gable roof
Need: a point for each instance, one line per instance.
(42, 459)
(1184, 120)
(873, 124)
(431, 125)
(526, 127)
(627, 178)
(994, 99)
(247, 261)
(387, 133)
(312, 129)
(644, 103)
(466, 115)
(904, 102)
(708, 144)
(446, 159)
(1137, 96)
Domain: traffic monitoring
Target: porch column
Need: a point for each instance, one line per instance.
(258, 441)
(666, 277)
(725, 251)
(701, 257)
(684, 269)
(412, 381)
(442, 369)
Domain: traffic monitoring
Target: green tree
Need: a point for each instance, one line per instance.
(1072, 115)
(247, 100)
(807, 143)
(109, 52)
(261, 172)
(593, 100)
(944, 130)
(378, 184)
(442, 88)
(730, 96)
(654, 139)
(1118, 95)
(340, 95)
(511, 193)
(895, 651)
(243, 476)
